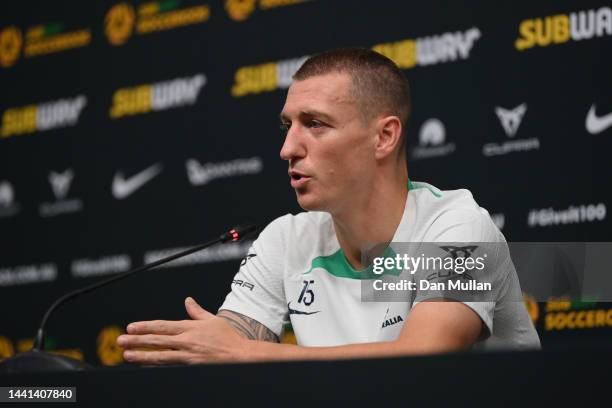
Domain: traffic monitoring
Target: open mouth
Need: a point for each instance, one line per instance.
(297, 180)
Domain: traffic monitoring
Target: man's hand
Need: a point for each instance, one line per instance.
(205, 339)
(432, 327)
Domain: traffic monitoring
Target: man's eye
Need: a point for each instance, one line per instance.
(285, 127)
(315, 124)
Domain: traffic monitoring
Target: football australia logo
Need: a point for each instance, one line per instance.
(6, 348)
(460, 251)
(39, 40)
(122, 20)
(106, 345)
(10, 46)
(240, 10)
(119, 23)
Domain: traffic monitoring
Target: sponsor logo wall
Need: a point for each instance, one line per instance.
(122, 21)
(39, 39)
(43, 116)
(132, 130)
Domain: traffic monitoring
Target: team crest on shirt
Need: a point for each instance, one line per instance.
(460, 251)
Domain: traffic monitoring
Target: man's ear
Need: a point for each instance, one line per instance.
(389, 135)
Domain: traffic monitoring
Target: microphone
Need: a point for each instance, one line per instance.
(37, 359)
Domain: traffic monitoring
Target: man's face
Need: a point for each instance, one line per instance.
(329, 147)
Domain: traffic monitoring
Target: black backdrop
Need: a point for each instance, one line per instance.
(472, 66)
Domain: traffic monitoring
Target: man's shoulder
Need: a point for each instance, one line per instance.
(439, 210)
(301, 220)
(299, 226)
(426, 193)
(293, 241)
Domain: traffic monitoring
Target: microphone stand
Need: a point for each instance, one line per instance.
(39, 360)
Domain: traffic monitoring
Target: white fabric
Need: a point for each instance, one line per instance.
(327, 308)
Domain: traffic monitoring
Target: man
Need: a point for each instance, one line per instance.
(345, 117)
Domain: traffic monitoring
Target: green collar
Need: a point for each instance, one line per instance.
(337, 265)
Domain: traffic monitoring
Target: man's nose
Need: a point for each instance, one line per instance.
(293, 146)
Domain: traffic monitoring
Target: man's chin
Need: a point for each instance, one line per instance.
(308, 202)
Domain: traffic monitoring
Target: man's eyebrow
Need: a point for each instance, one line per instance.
(285, 118)
(317, 114)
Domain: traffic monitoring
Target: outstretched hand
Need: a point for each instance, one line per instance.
(205, 339)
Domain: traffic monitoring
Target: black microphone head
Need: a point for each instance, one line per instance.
(238, 232)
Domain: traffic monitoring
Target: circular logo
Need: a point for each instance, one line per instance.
(6, 348)
(532, 307)
(432, 133)
(119, 23)
(10, 45)
(109, 352)
(239, 10)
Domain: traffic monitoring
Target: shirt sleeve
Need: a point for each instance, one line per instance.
(257, 290)
(467, 230)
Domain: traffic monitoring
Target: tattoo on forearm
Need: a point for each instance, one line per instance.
(247, 327)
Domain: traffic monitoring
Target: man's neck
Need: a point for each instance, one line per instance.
(371, 219)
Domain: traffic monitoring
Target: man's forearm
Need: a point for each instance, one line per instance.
(432, 327)
(248, 327)
(264, 351)
(262, 345)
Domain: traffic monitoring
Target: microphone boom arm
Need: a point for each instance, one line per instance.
(235, 234)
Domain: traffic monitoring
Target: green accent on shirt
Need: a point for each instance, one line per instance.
(416, 185)
(337, 265)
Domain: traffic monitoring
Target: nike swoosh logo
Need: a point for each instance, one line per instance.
(299, 312)
(595, 124)
(123, 188)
